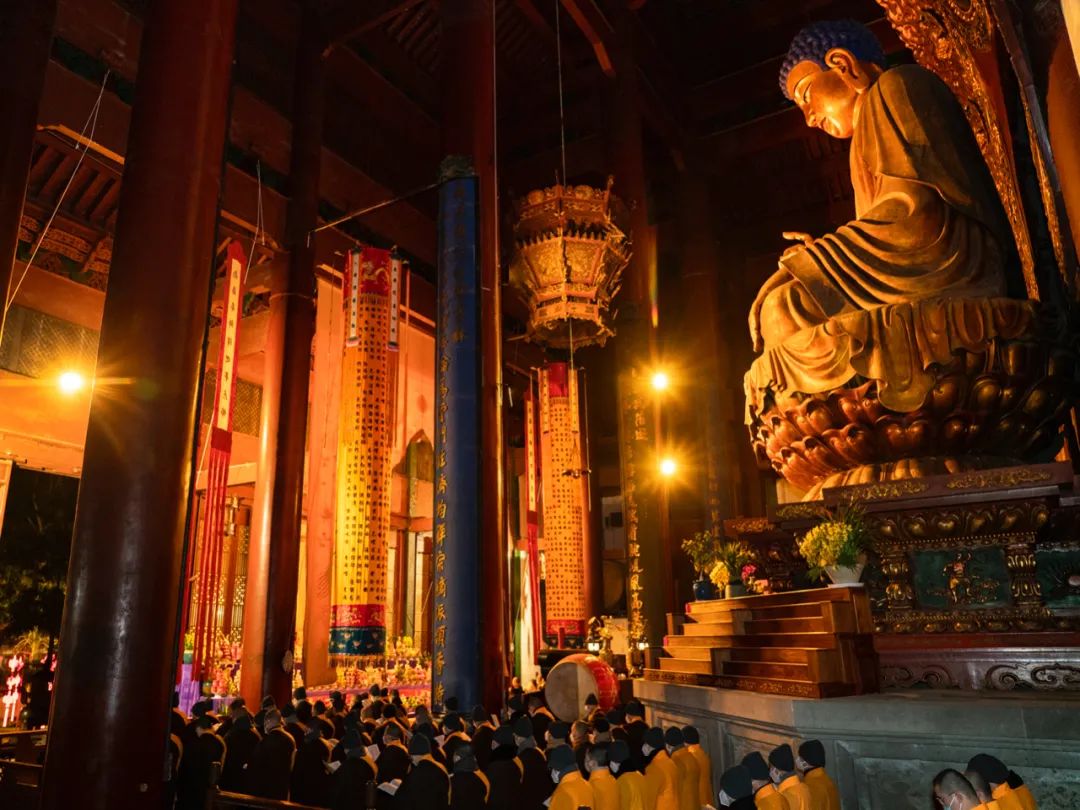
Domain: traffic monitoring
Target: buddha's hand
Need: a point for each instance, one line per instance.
(804, 239)
(777, 279)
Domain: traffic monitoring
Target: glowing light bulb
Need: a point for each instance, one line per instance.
(668, 467)
(71, 382)
(660, 381)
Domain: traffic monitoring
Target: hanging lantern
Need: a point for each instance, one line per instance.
(570, 248)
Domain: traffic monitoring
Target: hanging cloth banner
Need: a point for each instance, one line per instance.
(532, 513)
(217, 475)
(358, 612)
(322, 469)
(395, 298)
(565, 509)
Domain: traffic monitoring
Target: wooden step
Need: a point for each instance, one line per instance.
(817, 641)
(802, 597)
(694, 653)
(700, 641)
(779, 655)
(757, 627)
(764, 669)
(709, 629)
(686, 665)
(811, 610)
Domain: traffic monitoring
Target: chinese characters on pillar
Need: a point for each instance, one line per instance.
(634, 443)
(564, 506)
(358, 611)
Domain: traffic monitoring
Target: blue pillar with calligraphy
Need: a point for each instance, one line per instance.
(456, 565)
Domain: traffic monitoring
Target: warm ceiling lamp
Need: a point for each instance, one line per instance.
(668, 467)
(660, 381)
(71, 382)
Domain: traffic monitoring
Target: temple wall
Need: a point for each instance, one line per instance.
(883, 750)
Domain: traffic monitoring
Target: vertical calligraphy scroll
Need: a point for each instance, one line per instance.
(455, 627)
(565, 507)
(358, 612)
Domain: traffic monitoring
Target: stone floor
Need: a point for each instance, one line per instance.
(884, 749)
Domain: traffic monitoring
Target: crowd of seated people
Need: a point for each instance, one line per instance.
(375, 754)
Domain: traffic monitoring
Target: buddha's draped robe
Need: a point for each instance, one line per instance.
(928, 220)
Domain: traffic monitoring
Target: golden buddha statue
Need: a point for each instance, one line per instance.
(874, 336)
(927, 217)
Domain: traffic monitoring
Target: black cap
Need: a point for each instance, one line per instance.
(654, 737)
(389, 712)
(813, 752)
(300, 693)
(618, 751)
(336, 696)
(616, 716)
(515, 703)
(464, 759)
(426, 730)
(268, 702)
(375, 691)
(635, 709)
(523, 727)
(479, 714)
(237, 703)
(782, 759)
(990, 768)
(452, 722)
(690, 735)
(591, 700)
(419, 745)
(562, 759)
(736, 782)
(204, 721)
(755, 763)
(673, 736)
(559, 730)
(601, 726)
(504, 735)
(201, 707)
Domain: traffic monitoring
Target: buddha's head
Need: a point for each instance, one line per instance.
(828, 66)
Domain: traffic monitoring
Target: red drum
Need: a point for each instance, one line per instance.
(573, 679)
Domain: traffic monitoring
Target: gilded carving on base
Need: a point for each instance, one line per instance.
(995, 479)
(1048, 677)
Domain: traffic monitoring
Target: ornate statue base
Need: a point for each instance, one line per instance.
(910, 390)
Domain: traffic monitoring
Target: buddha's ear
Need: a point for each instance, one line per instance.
(848, 66)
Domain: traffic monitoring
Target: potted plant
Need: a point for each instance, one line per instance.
(701, 549)
(837, 546)
(731, 557)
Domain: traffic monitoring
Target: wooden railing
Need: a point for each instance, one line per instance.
(19, 785)
(23, 746)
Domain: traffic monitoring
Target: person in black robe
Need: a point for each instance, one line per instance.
(311, 782)
(177, 719)
(482, 734)
(267, 704)
(270, 767)
(635, 733)
(193, 779)
(453, 735)
(616, 719)
(504, 770)
(427, 787)
(580, 742)
(540, 716)
(515, 708)
(469, 788)
(394, 762)
(240, 743)
(236, 708)
(291, 723)
(535, 779)
(558, 733)
(324, 721)
(436, 752)
(351, 778)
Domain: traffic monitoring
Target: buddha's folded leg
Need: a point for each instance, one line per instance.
(786, 310)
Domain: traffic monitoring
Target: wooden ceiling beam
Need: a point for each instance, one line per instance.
(349, 19)
(597, 29)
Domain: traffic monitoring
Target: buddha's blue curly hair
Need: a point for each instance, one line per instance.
(815, 40)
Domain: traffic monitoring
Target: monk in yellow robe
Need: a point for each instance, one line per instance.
(688, 780)
(766, 796)
(928, 221)
(604, 787)
(693, 745)
(661, 774)
(791, 787)
(811, 763)
(633, 791)
(951, 789)
(737, 789)
(572, 790)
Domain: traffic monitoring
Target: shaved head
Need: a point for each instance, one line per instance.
(952, 790)
(980, 785)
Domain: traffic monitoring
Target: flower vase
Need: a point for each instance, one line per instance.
(843, 576)
(734, 589)
(704, 589)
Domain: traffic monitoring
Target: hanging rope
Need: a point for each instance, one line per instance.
(85, 139)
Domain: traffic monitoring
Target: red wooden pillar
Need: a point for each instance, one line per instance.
(468, 70)
(286, 505)
(118, 641)
(25, 39)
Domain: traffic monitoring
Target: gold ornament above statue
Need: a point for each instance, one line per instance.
(570, 248)
(889, 349)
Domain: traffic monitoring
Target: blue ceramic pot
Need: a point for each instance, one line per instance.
(704, 589)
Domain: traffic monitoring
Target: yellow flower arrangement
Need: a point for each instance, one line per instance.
(837, 541)
(720, 575)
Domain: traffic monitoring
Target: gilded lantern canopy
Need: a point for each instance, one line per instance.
(570, 249)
